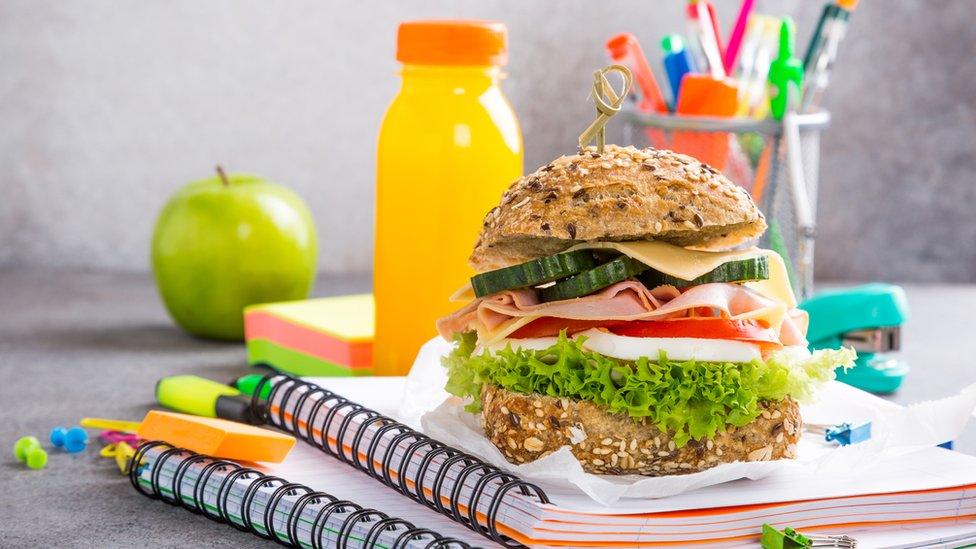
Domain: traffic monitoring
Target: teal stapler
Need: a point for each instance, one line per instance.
(867, 318)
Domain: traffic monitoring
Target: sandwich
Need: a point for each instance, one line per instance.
(620, 310)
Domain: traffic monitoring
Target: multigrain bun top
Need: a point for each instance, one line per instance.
(623, 194)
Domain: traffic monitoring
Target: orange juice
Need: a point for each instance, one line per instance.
(449, 145)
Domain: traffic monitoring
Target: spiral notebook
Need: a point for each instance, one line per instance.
(255, 499)
(917, 495)
(925, 499)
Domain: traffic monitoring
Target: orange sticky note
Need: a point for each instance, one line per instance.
(702, 95)
(216, 437)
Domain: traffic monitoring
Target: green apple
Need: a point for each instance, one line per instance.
(224, 243)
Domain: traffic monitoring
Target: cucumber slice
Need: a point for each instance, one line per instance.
(743, 270)
(595, 279)
(532, 273)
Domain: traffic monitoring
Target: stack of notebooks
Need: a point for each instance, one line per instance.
(331, 336)
(922, 499)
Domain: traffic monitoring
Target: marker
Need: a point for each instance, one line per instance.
(735, 39)
(677, 62)
(626, 50)
(248, 384)
(206, 398)
(785, 72)
(702, 95)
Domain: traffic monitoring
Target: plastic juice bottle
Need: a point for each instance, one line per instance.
(449, 145)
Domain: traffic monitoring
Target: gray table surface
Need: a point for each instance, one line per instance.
(76, 344)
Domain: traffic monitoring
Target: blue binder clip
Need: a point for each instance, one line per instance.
(788, 538)
(843, 433)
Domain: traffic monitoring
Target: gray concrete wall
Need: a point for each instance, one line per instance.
(106, 107)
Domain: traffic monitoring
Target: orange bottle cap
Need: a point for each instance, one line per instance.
(445, 42)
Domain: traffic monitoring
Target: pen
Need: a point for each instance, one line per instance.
(823, 52)
(735, 39)
(677, 62)
(816, 38)
(626, 50)
(758, 49)
(712, 20)
(702, 27)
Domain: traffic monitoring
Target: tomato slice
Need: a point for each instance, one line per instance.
(548, 326)
(706, 328)
(751, 331)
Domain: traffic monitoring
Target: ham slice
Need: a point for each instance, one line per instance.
(630, 300)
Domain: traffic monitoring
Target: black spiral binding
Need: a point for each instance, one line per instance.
(291, 395)
(405, 531)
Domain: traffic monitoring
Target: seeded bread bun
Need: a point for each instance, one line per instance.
(622, 194)
(528, 427)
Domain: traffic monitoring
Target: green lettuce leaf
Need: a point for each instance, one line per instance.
(690, 398)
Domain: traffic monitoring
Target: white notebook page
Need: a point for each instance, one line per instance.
(927, 469)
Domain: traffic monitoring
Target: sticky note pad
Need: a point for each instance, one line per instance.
(216, 437)
(331, 336)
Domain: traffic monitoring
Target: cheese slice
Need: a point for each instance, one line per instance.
(503, 330)
(777, 286)
(687, 264)
(463, 294)
(670, 259)
(690, 264)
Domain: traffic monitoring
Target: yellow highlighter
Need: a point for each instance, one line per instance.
(203, 397)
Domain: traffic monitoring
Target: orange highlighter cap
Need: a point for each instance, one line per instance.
(457, 42)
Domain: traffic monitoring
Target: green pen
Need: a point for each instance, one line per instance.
(202, 397)
(785, 72)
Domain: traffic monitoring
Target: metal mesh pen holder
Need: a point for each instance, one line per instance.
(754, 154)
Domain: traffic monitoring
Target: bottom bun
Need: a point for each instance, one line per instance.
(528, 427)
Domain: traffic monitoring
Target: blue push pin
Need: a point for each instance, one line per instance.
(73, 440)
(57, 436)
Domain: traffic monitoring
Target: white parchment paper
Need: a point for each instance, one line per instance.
(895, 429)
